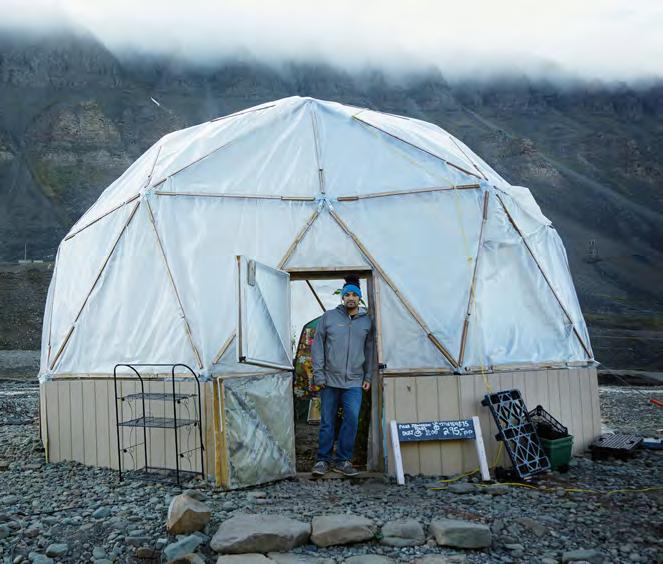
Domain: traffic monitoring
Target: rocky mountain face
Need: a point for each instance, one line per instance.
(73, 116)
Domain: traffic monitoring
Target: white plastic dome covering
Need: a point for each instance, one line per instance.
(468, 271)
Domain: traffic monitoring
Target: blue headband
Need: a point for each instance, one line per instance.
(351, 288)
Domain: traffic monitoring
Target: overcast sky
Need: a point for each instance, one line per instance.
(606, 39)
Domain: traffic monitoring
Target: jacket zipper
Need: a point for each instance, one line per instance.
(347, 355)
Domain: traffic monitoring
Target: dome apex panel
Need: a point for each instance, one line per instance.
(357, 158)
(270, 152)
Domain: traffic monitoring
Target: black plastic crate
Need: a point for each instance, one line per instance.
(547, 427)
(517, 432)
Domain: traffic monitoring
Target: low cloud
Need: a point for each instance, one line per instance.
(594, 39)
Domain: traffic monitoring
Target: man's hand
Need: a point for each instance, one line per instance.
(366, 385)
(316, 388)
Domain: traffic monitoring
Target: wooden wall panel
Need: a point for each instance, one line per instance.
(405, 404)
(77, 416)
(428, 409)
(64, 421)
(570, 395)
(448, 398)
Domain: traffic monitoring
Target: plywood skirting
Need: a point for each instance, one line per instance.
(78, 423)
(570, 395)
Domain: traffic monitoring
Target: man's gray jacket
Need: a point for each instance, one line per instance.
(343, 349)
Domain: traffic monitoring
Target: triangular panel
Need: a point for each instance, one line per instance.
(273, 155)
(79, 261)
(124, 188)
(326, 245)
(516, 318)
(202, 238)
(132, 315)
(426, 243)
(358, 159)
(432, 139)
(404, 342)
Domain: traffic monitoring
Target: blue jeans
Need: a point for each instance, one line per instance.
(330, 399)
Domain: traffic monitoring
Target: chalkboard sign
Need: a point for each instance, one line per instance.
(464, 429)
(436, 431)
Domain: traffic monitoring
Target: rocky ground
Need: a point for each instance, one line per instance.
(73, 513)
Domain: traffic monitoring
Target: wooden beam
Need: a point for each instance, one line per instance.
(460, 168)
(94, 284)
(315, 295)
(293, 246)
(110, 211)
(472, 296)
(187, 327)
(468, 158)
(408, 306)
(237, 196)
(353, 198)
(545, 277)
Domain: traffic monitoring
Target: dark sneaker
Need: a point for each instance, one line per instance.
(320, 468)
(345, 468)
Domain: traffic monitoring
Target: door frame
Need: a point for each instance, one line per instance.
(375, 459)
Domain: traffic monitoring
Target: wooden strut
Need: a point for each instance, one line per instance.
(213, 150)
(241, 113)
(472, 296)
(286, 257)
(468, 158)
(545, 277)
(405, 192)
(94, 284)
(460, 168)
(316, 142)
(237, 196)
(134, 197)
(315, 294)
(413, 312)
(187, 327)
(110, 211)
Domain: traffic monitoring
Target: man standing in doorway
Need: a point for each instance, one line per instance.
(342, 367)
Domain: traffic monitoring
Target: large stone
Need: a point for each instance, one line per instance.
(406, 532)
(187, 515)
(460, 534)
(583, 555)
(294, 558)
(369, 559)
(57, 549)
(438, 559)
(259, 533)
(182, 547)
(329, 530)
(244, 559)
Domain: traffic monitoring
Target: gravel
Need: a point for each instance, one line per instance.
(45, 506)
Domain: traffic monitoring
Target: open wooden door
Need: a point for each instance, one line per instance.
(255, 426)
(263, 325)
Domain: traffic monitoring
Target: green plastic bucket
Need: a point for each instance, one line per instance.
(558, 452)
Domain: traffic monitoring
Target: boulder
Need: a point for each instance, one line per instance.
(57, 549)
(259, 533)
(182, 547)
(293, 558)
(583, 555)
(460, 534)
(244, 559)
(186, 515)
(406, 532)
(329, 530)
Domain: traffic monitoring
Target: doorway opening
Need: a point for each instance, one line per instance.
(312, 293)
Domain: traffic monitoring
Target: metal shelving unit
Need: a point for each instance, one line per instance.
(190, 403)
